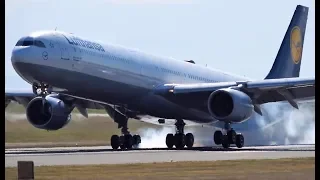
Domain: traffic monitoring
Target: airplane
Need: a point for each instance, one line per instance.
(67, 71)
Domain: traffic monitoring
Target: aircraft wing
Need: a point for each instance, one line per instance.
(196, 95)
(23, 97)
(260, 91)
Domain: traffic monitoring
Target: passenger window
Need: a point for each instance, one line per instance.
(39, 44)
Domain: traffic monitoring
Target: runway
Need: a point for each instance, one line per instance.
(104, 154)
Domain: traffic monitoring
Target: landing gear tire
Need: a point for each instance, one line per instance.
(239, 140)
(136, 140)
(225, 141)
(189, 140)
(232, 136)
(217, 137)
(122, 142)
(180, 140)
(170, 141)
(128, 141)
(115, 142)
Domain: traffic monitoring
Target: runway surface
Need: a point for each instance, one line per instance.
(104, 154)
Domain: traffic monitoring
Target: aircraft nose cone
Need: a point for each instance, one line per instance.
(17, 56)
(18, 59)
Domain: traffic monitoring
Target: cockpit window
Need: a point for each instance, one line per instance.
(39, 43)
(28, 41)
(20, 42)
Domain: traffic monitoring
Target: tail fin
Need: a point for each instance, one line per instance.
(288, 60)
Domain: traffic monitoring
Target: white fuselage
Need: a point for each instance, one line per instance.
(111, 74)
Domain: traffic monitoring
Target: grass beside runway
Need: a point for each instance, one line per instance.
(95, 130)
(92, 131)
(294, 169)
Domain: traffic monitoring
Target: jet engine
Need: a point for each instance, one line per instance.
(230, 105)
(49, 114)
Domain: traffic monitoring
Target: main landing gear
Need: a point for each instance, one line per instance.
(231, 137)
(126, 140)
(179, 140)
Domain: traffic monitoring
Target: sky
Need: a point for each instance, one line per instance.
(241, 37)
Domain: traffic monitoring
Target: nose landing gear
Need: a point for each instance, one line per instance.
(41, 89)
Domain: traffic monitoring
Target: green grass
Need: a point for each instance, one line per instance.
(91, 131)
(293, 169)
(81, 131)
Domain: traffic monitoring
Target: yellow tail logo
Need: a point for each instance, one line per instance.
(296, 44)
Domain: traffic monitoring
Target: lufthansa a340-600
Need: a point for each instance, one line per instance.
(68, 72)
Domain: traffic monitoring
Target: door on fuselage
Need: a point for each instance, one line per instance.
(77, 61)
(64, 51)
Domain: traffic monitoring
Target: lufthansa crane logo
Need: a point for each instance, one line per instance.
(45, 55)
(296, 44)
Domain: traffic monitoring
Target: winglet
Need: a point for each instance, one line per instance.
(288, 60)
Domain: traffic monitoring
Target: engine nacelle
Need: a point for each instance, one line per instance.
(230, 105)
(52, 115)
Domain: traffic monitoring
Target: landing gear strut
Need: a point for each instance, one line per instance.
(126, 140)
(231, 137)
(41, 89)
(179, 140)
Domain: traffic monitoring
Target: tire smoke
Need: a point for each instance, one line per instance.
(286, 126)
(280, 124)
